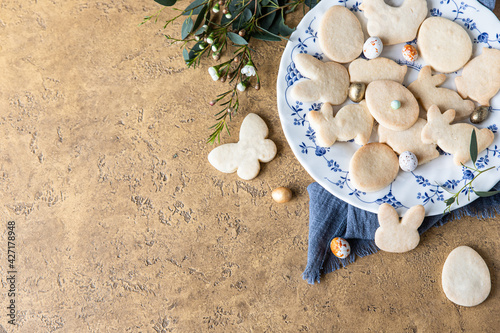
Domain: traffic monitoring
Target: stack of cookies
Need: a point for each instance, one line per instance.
(413, 120)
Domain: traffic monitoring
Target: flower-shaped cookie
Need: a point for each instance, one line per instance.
(245, 155)
(329, 81)
(396, 235)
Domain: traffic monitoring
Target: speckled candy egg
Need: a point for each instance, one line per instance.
(373, 47)
(340, 248)
(410, 53)
(408, 161)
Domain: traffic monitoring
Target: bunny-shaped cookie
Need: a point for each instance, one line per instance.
(329, 81)
(453, 139)
(353, 121)
(426, 91)
(245, 155)
(398, 236)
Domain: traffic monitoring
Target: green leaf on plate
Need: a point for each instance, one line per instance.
(486, 194)
(187, 26)
(236, 39)
(473, 147)
(449, 201)
(167, 3)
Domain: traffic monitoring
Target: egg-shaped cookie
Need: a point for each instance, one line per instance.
(444, 44)
(373, 167)
(340, 35)
(392, 105)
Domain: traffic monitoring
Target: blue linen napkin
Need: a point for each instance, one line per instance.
(488, 3)
(331, 217)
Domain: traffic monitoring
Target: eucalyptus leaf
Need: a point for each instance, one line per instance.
(473, 147)
(311, 3)
(236, 39)
(449, 201)
(199, 20)
(266, 35)
(195, 7)
(267, 20)
(195, 50)
(167, 3)
(486, 194)
(284, 30)
(187, 27)
(185, 54)
(243, 19)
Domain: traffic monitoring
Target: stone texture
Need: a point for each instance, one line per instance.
(123, 226)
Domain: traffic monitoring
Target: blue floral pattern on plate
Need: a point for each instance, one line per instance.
(429, 184)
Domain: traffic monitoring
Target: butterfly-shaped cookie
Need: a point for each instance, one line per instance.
(329, 81)
(245, 155)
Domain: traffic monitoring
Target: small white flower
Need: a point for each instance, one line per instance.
(229, 16)
(248, 70)
(210, 40)
(214, 73)
(214, 48)
(241, 86)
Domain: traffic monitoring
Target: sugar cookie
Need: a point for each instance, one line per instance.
(366, 71)
(426, 91)
(379, 97)
(340, 35)
(396, 235)
(409, 140)
(373, 167)
(328, 82)
(245, 155)
(480, 78)
(353, 121)
(453, 139)
(394, 25)
(444, 44)
(466, 278)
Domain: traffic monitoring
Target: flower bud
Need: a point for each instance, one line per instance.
(216, 8)
(212, 103)
(257, 86)
(242, 32)
(229, 16)
(225, 11)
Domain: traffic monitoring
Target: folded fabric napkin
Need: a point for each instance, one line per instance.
(488, 3)
(331, 217)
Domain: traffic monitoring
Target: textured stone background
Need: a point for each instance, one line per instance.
(123, 226)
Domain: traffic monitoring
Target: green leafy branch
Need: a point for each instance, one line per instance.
(215, 27)
(475, 170)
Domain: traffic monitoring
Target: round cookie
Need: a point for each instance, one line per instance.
(444, 44)
(466, 279)
(340, 35)
(373, 167)
(379, 96)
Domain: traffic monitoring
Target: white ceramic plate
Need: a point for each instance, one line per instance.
(330, 166)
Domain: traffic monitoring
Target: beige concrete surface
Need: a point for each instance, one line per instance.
(123, 226)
